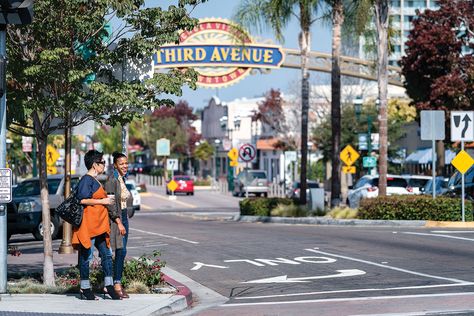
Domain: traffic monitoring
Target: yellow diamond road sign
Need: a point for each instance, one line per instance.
(349, 169)
(172, 185)
(233, 154)
(463, 161)
(349, 155)
(51, 155)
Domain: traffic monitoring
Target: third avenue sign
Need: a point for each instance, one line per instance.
(221, 52)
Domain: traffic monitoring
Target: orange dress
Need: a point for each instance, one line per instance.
(95, 222)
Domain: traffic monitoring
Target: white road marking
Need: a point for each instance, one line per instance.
(439, 235)
(199, 265)
(351, 299)
(165, 236)
(147, 246)
(453, 231)
(390, 267)
(285, 279)
(355, 291)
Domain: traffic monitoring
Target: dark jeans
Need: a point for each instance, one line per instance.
(121, 253)
(105, 260)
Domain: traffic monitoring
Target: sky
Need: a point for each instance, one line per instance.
(256, 85)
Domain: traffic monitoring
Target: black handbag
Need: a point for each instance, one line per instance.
(71, 210)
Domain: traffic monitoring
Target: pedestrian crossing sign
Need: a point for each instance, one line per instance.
(349, 155)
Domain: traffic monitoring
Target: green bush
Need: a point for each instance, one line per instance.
(343, 213)
(202, 182)
(261, 206)
(414, 207)
(291, 210)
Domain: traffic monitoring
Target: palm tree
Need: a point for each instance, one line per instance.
(276, 14)
(382, 23)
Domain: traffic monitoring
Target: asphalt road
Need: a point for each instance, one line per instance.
(238, 268)
(267, 269)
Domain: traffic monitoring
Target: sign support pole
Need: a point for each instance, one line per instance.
(433, 158)
(3, 155)
(462, 189)
(247, 186)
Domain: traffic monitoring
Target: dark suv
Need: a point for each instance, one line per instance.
(24, 211)
(454, 185)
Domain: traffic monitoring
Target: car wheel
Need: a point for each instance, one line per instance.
(38, 231)
(192, 193)
(265, 194)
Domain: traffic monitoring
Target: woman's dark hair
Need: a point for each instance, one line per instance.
(92, 156)
(118, 155)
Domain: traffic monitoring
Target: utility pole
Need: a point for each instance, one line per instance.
(11, 12)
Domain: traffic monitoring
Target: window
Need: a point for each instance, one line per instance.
(31, 188)
(395, 4)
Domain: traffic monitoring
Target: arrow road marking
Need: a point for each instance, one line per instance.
(285, 279)
(466, 121)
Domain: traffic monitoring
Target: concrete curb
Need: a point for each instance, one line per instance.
(328, 221)
(449, 224)
(182, 289)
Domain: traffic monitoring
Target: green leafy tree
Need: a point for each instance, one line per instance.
(110, 137)
(399, 113)
(51, 59)
(203, 152)
(276, 14)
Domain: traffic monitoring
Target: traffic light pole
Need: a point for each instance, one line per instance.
(3, 154)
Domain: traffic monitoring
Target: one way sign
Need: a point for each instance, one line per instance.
(462, 126)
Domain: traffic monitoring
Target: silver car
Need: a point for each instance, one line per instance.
(251, 181)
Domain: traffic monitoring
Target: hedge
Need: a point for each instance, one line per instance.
(261, 206)
(414, 207)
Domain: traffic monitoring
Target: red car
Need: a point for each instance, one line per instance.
(185, 185)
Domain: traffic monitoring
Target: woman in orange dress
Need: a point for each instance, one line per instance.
(95, 226)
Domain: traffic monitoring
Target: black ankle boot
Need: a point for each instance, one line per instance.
(109, 289)
(86, 294)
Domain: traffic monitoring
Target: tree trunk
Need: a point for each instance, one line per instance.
(42, 139)
(337, 20)
(440, 159)
(381, 19)
(305, 47)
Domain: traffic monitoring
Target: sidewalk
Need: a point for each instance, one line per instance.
(31, 259)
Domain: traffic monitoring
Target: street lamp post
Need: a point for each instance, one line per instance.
(216, 143)
(229, 131)
(358, 102)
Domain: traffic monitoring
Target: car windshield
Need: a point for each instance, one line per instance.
(181, 178)
(417, 183)
(393, 182)
(311, 185)
(258, 175)
(32, 187)
(130, 186)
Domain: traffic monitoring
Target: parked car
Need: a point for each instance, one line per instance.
(185, 185)
(441, 186)
(417, 182)
(253, 181)
(24, 212)
(137, 200)
(294, 191)
(367, 187)
(455, 185)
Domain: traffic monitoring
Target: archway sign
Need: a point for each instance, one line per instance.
(223, 53)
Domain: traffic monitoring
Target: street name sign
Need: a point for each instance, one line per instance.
(462, 162)
(369, 162)
(462, 126)
(432, 125)
(5, 185)
(349, 155)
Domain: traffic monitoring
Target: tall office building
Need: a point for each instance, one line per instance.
(402, 13)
